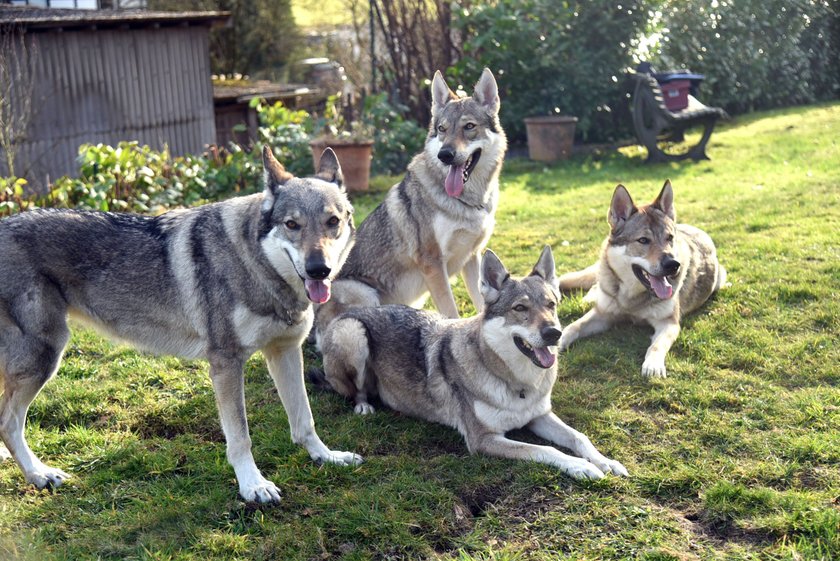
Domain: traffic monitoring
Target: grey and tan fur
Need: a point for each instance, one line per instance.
(219, 281)
(438, 219)
(651, 270)
(484, 376)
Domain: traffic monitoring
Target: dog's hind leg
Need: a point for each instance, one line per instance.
(551, 428)
(591, 323)
(286, 368)
(577, 280)
(27, 362)
(346, 353)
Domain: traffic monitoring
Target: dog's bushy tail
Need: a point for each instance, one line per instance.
(579, 280)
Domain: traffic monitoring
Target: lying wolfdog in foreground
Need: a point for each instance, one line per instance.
(484, 376)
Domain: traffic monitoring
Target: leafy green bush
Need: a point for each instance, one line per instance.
(396, 139)
(12, 198)
(136, 178)
(756, 53)
(554, 57)
(288, 132)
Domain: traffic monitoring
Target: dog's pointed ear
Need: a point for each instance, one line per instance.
(487, 92)
(665, 201)
(275, 172)
(441, 94)
(275, 176)
(621, 207)
(545, 267)
(329, 169)
(493, 276)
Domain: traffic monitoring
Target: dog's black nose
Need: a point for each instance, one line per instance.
(671, 266)
(446, 155)
(550, 335)
(317, 270)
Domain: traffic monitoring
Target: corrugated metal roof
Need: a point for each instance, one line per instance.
(41, 18)
(261, 88)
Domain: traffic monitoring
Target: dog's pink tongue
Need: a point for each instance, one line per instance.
(545, 356)
(661, 287)
(317, 290)
(455, 181)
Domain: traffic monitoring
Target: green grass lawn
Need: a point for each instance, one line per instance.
(734, 456)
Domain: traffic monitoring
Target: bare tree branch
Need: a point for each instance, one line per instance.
(16, 91)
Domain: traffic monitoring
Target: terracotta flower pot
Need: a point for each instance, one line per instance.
(354, 156)
(550, 138)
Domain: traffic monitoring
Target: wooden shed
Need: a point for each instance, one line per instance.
(104, 76)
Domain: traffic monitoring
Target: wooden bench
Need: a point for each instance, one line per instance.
(655, 124)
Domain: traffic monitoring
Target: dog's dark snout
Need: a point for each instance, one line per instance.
(671, 266)
(446, 155)
(317, 269)
(550, 335)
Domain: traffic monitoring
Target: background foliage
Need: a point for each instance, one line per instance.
(756, 54)
(260, 40)
(554, 57)
(137, 178)
(571, 57)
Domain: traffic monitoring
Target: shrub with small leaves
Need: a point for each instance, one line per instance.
(396, 139)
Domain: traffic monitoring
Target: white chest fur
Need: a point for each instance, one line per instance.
(257, 331)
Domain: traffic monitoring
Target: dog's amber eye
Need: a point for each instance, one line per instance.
(670, 237)
(292, 225)
(469, 126)
(552, 304)
(333, 222)
(643, 241)
(441, 128)
(520, 308)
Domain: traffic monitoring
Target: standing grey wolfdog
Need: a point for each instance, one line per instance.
(219, 281)
(437, 220)
(484, 376)
(651, 270)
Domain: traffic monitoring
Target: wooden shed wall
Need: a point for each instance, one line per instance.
(103, 86)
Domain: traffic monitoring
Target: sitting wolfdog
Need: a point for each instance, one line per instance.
(484, 376)
(651, 270)
(437, 220)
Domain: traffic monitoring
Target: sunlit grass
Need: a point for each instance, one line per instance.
(734, 456)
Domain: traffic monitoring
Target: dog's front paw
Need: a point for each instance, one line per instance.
(364, 409)
(613, 467)
(261, 491)
(654, 368)
(4, 453)
(340, 458)
(47, 477)
(583, 470)
(608, 466)
(566, 340)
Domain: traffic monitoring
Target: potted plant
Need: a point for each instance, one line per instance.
(550, 137)
(352, 142)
